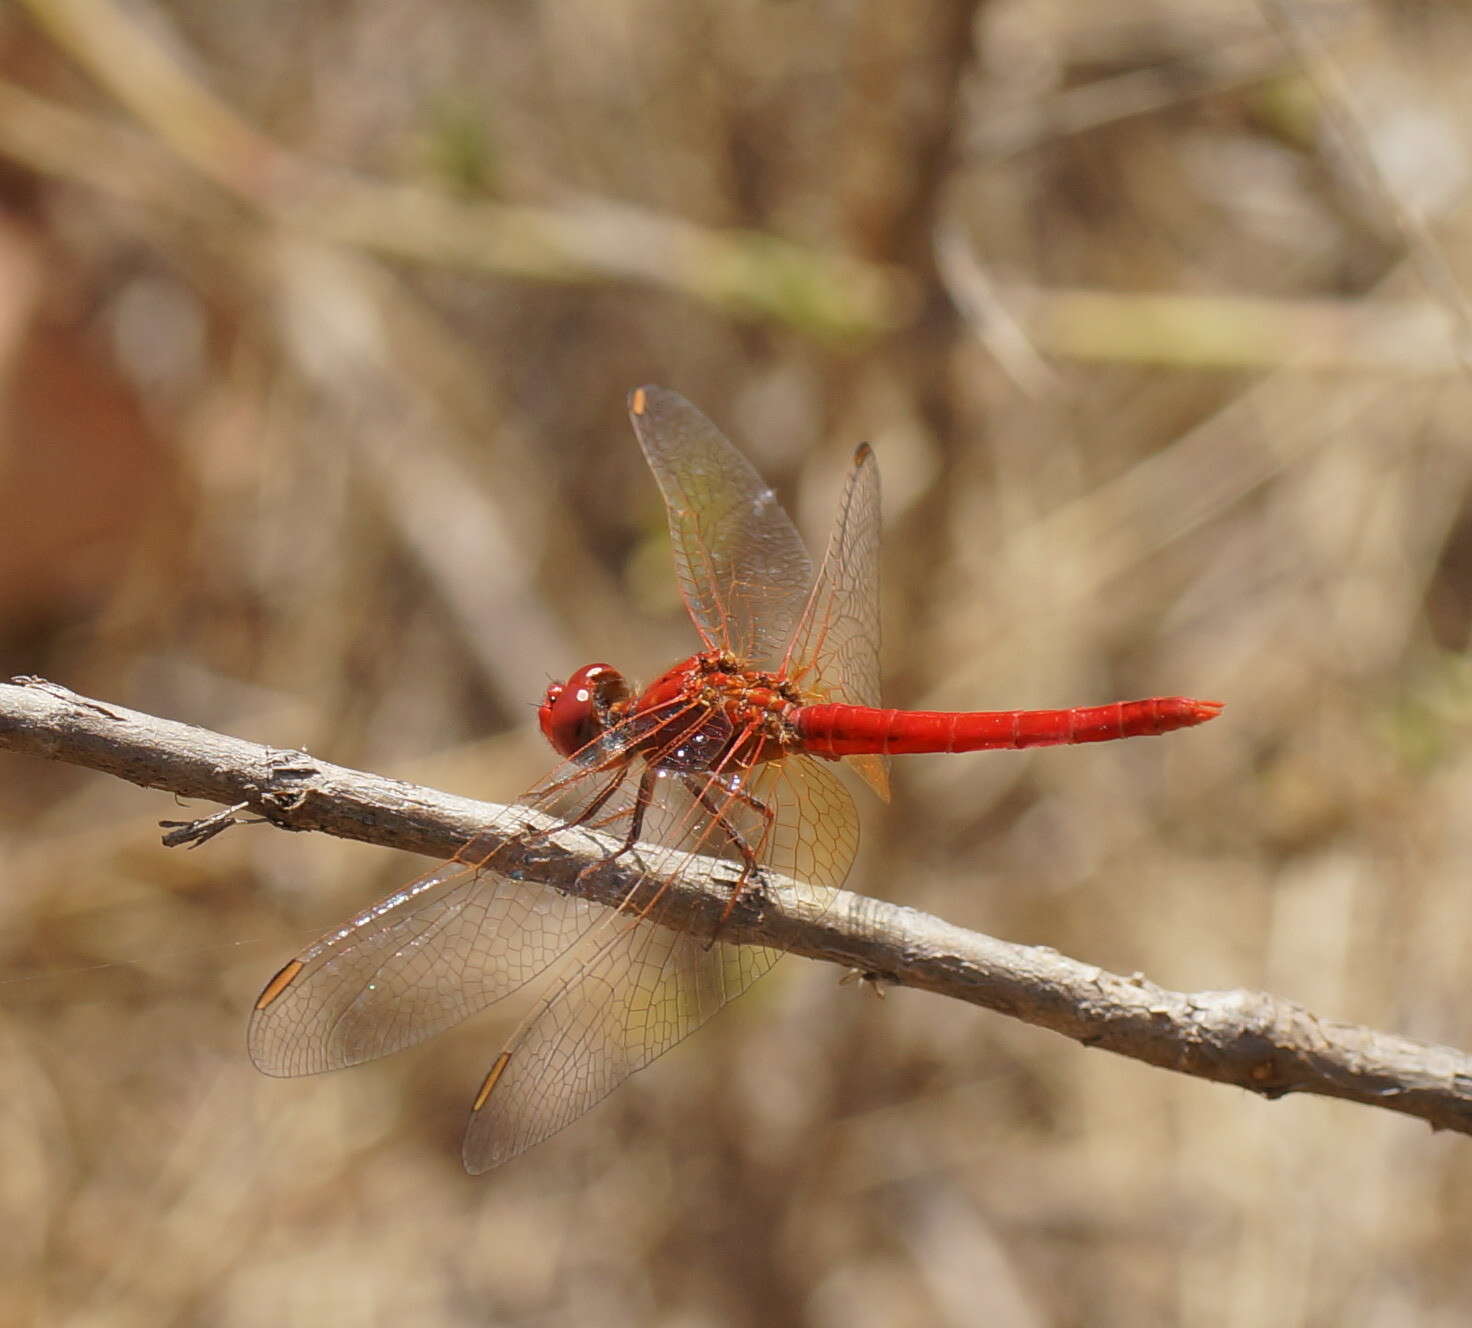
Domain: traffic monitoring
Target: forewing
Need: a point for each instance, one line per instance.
(448, 944)
(434, 953)
(743, 571)
(635, 988)
(834, 650)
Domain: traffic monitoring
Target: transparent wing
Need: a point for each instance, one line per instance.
(834, 650)
(634, 989)
(448, 944)
(644, 990)
(743, 570)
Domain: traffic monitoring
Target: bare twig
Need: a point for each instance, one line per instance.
(1250, 1039)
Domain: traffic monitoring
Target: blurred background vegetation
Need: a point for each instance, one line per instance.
(316, 323)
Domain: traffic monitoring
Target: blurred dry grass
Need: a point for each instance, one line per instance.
(1160, 406)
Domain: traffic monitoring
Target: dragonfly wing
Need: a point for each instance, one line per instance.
(834, 649)
(447, 945)
(743, 570)
(642, 990)
(635, 988)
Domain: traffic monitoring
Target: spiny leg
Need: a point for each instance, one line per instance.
(484, 845)
(750, 865)
(643, 798)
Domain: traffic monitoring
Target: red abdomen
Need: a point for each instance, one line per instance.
(842, 730)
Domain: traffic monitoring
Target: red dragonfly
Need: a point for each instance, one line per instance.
(729, 754)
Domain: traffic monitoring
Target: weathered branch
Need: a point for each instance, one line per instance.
(1250, 1039)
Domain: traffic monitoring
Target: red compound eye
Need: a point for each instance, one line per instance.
(575, 712)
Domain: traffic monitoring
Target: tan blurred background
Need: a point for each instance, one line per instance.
(316, 323)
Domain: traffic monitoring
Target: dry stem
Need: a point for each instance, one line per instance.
(1251, 1039)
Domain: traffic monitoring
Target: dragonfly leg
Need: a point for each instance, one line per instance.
(481, 847)
(643, 797)
(750, 865)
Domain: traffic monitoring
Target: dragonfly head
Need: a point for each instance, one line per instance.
(576, 712)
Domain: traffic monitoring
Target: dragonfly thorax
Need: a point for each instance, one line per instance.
(709, 713)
